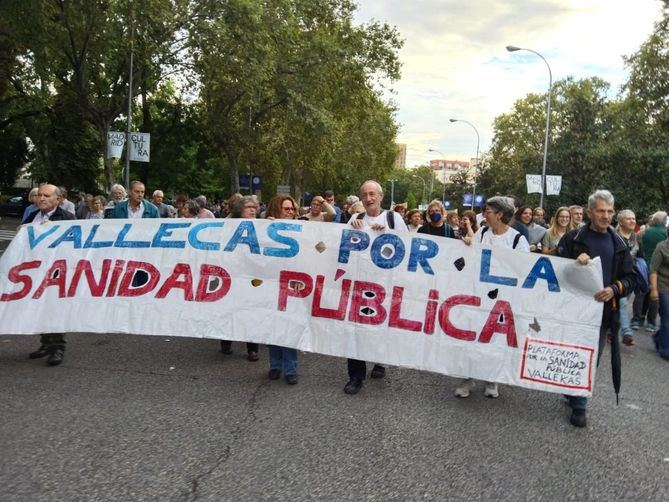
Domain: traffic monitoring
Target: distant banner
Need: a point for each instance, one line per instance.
(553, 185)
(115, 143)
(396, 298)
(140, 146)
(533, 183)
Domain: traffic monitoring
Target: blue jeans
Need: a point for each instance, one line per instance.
(283, 359)
(661, 337)
(581, 402)
(625, 329)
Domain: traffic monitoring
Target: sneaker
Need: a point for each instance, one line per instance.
(578, 419)
(491, 390)
(464, 388)
(635, 324)
(651, 327)
(274, 374)
(628, 340)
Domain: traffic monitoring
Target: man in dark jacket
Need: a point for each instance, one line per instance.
(48, 200)
(599, 239)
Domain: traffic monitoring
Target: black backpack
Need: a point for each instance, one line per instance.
(390, 218)
(516, 239)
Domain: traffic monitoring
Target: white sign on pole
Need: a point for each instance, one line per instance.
(533, 183)
(553, 185)
(403, 299)
(140, 143)
(115, 143)
(283, 189)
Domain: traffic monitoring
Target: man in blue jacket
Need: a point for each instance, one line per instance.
(136, 206)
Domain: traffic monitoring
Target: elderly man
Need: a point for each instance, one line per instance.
(116, 195)
(163, 209)
(202, 211)
(371, 195)
(599, 239)
(65, 204)
(48, 201)
(135, 206)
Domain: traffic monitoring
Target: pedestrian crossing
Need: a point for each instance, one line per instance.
(7, 235)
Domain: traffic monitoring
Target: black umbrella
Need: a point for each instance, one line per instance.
(615, 361)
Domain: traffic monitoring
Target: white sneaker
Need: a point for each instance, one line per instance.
(463, 389)
(491, 390)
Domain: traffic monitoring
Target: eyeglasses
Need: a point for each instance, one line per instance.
(250, 207)
(288, 208)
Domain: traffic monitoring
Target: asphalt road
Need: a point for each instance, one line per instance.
(172, 419)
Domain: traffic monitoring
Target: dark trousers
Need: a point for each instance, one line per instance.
(52, 339)
(357, 368)
(581, 402)
(644, 308)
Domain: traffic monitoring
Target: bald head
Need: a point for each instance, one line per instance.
(48, 198)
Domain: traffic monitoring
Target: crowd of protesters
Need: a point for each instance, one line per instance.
(503, 221)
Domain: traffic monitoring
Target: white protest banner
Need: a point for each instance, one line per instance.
(553, 185)
(533, 183)
(115, 142)
(396, 298)
(140, 146)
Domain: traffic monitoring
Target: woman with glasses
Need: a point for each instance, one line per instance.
(498, 213)
(282, 359)
(436, 221)
(560, 225)
(243, 207)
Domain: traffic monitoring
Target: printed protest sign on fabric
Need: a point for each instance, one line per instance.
(140, 146)
(553, 185)
(533, 183)
(396, 298)
(115, 143)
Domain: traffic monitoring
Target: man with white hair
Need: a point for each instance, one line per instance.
(157, 199)
(48, 203)
(116, 194)
(376, 218)
(599, 239)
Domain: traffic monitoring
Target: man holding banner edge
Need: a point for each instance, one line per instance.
(599, 239)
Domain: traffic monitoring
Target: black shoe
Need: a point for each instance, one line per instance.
(378, 371)
(274, 374)
(56, 357)
(578, 418)
(226, 347)
(252, 356)
(353, 386)
(291, 379)
(41, 352)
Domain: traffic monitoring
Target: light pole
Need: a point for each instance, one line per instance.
(443, 171)
(392, 193)
(424, 186)
(513, 48)
(478, 143)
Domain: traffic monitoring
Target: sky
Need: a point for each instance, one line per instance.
(455, 65)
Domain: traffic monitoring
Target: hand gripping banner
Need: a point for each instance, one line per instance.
(396, 298)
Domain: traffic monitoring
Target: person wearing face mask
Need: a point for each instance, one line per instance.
(436, 221)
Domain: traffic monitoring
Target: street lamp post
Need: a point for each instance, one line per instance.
(443, 172)
(424, 187)
(478, 143)
(513, 48)
(392, 193)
